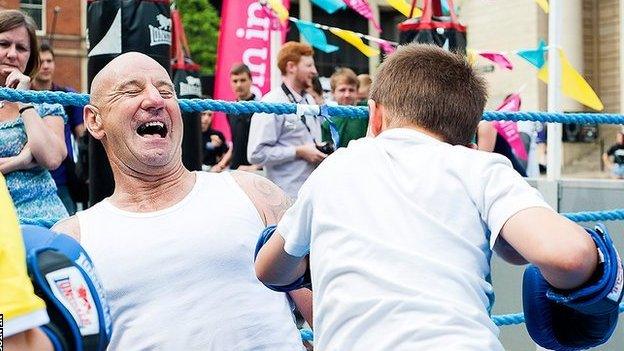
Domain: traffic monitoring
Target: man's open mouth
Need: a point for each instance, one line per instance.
(152, 128)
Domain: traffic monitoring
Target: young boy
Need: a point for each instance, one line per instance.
(344, 87)
(400, 227)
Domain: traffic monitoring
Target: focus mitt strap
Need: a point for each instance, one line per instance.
(304, 281)
(581, 318)
(63, 276)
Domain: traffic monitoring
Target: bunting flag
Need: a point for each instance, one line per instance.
(330, 6)
(280, 10)
(471, 55)
(509, 129)
(543, 4)
(363, 8)
(404, 8)
(445, 8)
(315, 36)
(498, 58)
(573, 84)
(536, 56)
(353, 39)
(511, 103)
(386, 47)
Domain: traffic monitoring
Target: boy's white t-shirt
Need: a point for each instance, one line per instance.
(400, 229)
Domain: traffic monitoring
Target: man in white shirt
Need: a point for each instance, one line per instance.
(400, 227)
(285, 145)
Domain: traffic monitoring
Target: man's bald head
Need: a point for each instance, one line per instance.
(134, 112)
(116, 69)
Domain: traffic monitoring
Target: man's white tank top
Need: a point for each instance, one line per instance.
(183, 278)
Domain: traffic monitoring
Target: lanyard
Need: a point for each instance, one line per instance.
(292, 99)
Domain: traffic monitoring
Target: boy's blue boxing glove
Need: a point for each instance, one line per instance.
(303, 282)
(581, 318)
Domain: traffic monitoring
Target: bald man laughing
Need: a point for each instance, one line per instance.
(176, 265)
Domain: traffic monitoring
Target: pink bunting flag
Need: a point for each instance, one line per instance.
(509, 129)
(511, 103)
(500, 59)
(363, 8)
(386, 47)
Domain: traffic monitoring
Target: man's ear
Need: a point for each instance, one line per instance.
(375, 118)
(290, 66)
(93, 121)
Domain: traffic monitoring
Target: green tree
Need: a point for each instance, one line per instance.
(201, 24)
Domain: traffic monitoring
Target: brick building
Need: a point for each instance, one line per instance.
(67, 33)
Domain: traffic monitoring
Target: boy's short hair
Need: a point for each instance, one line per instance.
(292, 52)
(365, 80)
(343, 76)
(45, 47)
(240, 69)
(432, 88)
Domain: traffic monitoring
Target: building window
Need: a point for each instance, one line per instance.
(36, 10)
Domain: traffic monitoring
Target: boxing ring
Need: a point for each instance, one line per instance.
(572, 196)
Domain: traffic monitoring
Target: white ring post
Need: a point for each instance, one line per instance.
(554, 90)
(275, 45)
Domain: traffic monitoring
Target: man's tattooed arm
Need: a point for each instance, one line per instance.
(270, 201)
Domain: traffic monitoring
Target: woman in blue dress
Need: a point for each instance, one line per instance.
(31, 135)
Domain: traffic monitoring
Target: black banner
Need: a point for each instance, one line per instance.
(115, 27)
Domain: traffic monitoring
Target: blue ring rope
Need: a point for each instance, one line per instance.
(239, 107)
(499, 320)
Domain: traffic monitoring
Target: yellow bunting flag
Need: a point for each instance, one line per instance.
(543, 4)
(280, 10)
(573, 84)
(404, 8)
(471, 55)
(351, 38)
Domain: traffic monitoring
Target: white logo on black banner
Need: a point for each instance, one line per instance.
(161, 35)
(191, 87)
(111, 41)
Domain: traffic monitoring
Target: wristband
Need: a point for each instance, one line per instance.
(21, 110)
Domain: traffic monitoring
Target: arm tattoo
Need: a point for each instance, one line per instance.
(271, 198)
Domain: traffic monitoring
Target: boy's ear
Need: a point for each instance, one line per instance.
(93, 121)
(375, 118)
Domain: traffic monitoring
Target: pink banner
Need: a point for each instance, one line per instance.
(509, 129)
(244, 37)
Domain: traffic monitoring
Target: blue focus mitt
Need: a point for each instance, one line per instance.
(581, 318)
(63, 276)
(304, 281)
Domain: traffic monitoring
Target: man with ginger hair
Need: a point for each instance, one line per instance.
(157, 258)
(286, 145)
